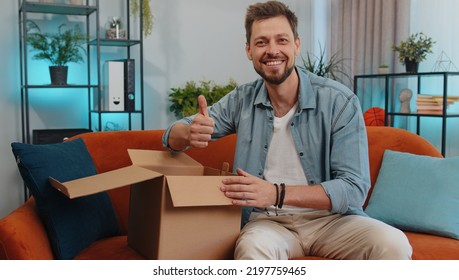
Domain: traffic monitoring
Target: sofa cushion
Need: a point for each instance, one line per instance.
(112, 248)
(431, 247)
(72, 224)
(417, 193)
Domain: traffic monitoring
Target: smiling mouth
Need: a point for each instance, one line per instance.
(274, 63)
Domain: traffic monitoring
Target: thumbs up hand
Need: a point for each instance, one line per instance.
(202, 102)
(202, 127)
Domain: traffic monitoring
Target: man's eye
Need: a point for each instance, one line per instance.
(260, 43)
(283, 40)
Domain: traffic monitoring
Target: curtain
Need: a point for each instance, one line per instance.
(362, 33)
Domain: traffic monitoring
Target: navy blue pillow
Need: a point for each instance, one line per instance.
(72, 224)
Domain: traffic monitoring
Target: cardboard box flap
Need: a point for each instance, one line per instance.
(104, 181)
(165, 162)
(196, 191)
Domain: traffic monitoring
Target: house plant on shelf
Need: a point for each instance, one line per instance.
(383, 69)
(414, 50)
(332, 67)
(147, 16)
(115, 29)
(59, 49)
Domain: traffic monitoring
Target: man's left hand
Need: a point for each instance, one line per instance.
(248, 190)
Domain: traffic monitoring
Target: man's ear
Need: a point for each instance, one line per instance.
(247, 51)
(297, 46)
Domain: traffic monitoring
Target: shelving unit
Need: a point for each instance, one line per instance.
(93, 88)
(389, 85)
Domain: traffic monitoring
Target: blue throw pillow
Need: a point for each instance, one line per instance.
(72, 224)
(417, 193)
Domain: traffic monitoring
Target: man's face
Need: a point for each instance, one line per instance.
(272, 49)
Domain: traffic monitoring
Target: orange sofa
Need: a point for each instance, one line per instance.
(23, 236)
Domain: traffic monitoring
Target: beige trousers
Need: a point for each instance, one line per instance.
(320, 233)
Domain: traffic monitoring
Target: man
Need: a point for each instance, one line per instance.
(301, 154)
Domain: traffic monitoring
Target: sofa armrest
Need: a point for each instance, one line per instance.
(23, 235)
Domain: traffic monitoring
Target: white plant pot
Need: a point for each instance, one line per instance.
(383, 70)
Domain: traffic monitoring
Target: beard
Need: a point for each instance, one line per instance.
(276, 78)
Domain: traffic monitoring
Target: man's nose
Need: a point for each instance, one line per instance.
(273, 49)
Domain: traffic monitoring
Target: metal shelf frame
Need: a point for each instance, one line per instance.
(389, 107)
(88, 11)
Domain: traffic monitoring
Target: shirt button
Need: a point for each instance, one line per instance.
(311, 182)
(292, 124)
(301, 154)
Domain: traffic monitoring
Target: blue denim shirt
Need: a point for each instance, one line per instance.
(328, 131)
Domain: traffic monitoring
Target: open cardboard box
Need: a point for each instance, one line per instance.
(177, 210)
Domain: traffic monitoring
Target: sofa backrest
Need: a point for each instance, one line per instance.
(109, 151)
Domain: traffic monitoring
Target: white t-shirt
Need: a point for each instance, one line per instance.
(282, 162)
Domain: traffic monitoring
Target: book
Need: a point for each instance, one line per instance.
(430, 112)
(430, 107)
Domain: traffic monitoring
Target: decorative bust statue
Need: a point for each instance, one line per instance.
(405, 98)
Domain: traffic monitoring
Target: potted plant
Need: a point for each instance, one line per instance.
(185, 99)
(147, 16)
(323, 67)
(414, 50)
(58, 48)
(114, 29)
(383, 69)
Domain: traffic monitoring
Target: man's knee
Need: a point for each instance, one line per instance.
(364, 238)
(391, 244)
(266, 241)
(254, 249)
(257, 245)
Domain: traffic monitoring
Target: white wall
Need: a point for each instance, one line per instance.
(191, 40)
(10, 183)
(439, 20)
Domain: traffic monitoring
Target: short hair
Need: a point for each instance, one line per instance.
(267, 10)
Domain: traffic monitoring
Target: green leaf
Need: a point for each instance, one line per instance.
(415, 48)
(58, 48)
(184, 101)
